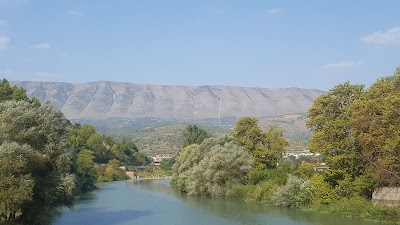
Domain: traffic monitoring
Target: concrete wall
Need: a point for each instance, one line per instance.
(386, 196)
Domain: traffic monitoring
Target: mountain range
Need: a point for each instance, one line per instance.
(114, 100)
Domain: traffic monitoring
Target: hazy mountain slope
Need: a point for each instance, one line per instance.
(104, 100)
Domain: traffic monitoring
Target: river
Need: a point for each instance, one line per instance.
(151, 202)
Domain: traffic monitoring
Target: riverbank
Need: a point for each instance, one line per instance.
(356, 207)
(359, 208)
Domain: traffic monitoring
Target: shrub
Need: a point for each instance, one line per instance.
(322, 190)
(262, 192)
(210, 168)
(295, 193)
(277, 176)
(240, 191)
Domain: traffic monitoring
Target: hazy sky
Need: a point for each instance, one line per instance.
(293, 43)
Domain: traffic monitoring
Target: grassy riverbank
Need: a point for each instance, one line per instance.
(359, 208)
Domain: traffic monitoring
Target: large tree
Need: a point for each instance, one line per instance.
(375, 120)
(211, 168)
(193, 134)
(85, 171)
(265, 147)
(35, 137)
(329, 118)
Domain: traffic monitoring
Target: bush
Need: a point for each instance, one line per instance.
(262, 192)
(221, 168)
(322, 190)
(240, 191)
(304, 171)
(277, 176)
(295, 193)
(211, 168)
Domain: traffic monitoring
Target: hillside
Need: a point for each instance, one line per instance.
(106, 100)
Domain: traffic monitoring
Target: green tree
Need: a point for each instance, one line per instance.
(11, 93)
(77, 136)
(43, 129)
(128, 154)
(111, 171)
(221, 168)
(98, 144)
(17, 183)
(167, 164)
(329, 118)
(375, 120)
(266, 148)
(86, 173)
(295, 193)
(210, 168)
(194, 135)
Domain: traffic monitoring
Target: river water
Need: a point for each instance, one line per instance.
(151, 202)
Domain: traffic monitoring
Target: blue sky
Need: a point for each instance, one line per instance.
(308, 44)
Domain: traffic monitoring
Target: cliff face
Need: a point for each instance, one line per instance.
(104, 100)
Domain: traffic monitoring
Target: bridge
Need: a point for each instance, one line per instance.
(132, 171)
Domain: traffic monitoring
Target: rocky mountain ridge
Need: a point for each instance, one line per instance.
(103, 100)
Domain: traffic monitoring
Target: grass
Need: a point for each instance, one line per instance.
(360, 208)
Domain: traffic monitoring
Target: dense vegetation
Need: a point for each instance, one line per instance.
(45, 161)
(357, 132)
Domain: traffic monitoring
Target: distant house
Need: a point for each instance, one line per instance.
(158, 158)
(320, 168)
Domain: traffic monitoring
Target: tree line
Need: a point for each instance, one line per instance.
(46, 161)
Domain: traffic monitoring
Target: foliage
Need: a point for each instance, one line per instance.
(220, 168)
(167, 164)
(194, 135)
(34, 137)
(376, 123)
(90, 148)
(322, 190)
(210, 168)
(266, 148)
(329, 118)
(16, 187)
(295, 193)
(104, 148)
(359, 133)
(240, 191)
(86, 173)
(304, 171)
(358, 207)
(262, 192)
(110, 171)
(179, 175)
(276, 176)
(11, 93)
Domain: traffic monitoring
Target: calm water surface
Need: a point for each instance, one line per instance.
(155, 202)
